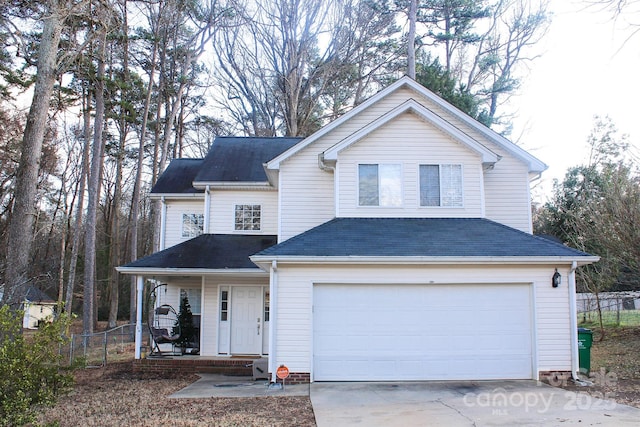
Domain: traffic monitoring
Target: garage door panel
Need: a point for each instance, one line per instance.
(412, 332)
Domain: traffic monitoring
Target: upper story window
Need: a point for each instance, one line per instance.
(380, 185)
(192, 225)
(441, 185)
(248, 217)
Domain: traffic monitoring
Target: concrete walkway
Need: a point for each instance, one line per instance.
(481, 403)
(216, 385)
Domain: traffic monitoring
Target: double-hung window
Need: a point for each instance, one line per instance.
(441, 185)
(380, 185)
(192, 225)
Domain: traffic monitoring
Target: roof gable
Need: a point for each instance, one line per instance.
(534, 164)
(411, 105)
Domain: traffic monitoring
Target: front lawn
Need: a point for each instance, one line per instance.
(116, 396)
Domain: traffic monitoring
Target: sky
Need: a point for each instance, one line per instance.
(585, 69)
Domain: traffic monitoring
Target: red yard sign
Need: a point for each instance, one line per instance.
(282, 372)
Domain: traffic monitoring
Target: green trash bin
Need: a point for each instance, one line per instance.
(585, 340)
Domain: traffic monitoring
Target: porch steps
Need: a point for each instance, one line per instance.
(194, 364)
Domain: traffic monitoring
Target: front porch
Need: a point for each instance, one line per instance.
(187, 364)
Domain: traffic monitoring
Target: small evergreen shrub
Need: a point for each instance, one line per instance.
(31, 373)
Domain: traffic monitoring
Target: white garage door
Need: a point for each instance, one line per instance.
(421, 332)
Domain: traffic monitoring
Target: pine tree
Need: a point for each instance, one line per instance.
(184, 325)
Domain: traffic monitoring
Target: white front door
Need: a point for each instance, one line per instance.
(246, 320)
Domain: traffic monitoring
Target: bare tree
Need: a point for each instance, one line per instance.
(93, 187)
(22, 217)
(411, 39)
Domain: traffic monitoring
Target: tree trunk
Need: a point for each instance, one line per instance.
(77, 229)
(88, 318)
(20, 229)
(411, 40)
(137, 187)
(114, 283)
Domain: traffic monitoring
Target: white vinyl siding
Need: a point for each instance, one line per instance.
(507, 197)
(209, 320)
(294, 331)
(176, 209)
(223, 211)
(307, 194)
(421, 145)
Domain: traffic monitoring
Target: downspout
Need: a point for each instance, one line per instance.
(336, 184)
(207, 208)
(573, 313)
(163, 222)
(138, 338)
(273, 304)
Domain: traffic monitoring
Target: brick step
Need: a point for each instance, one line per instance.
(232, 367)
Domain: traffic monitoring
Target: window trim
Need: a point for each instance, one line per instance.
(440, 206)
(379, 206)
(182, 223)
(244, 230)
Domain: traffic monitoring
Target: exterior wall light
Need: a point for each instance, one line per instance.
(556, 280)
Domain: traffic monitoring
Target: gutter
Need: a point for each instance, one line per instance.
(264, 261)
(190, 271)
(573, 322)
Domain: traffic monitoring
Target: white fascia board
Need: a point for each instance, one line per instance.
(156, 271)
(158, 196)
(535, 164)
(275, 163)
(264, 261)
(411, 105)
(232, 185)
(272, 175)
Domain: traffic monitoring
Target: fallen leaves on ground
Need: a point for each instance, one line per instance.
(116, 396)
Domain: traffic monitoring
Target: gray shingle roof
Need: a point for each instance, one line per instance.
(208, 251)
(36, 295)
(423, 237)
(240, 159)
(178, 177)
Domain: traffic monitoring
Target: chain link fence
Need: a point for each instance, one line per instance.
(95, 350)
(616, 308)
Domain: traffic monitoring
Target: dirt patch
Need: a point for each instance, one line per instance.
(615, 366)
(115, 396)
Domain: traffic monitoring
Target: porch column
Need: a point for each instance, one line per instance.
(273, 318)
(139, 289)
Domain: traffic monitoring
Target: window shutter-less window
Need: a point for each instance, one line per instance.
(451, 179)
(368, 185)
(429, 185)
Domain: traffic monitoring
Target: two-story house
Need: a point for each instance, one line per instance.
(393, 244)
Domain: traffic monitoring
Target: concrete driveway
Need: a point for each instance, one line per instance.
(478, 403)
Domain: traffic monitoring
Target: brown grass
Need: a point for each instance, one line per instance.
(615, 366)
(115, 396)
